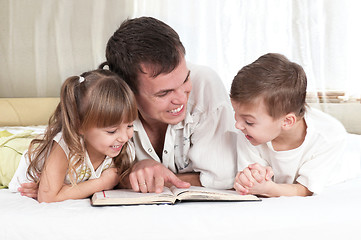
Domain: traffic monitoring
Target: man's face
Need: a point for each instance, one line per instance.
(163, 99)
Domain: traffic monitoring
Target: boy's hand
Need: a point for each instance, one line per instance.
(253, 180)
(261, 173)
(244, 181)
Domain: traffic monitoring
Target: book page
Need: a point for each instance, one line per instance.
(130, 194)
(129, 197)
(207, 194)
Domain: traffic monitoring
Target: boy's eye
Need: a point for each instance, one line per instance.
(249, 123)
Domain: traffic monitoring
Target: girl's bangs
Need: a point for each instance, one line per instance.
(110, 106)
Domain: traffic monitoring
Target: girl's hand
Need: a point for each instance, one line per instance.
(29, 189)
(109, 178)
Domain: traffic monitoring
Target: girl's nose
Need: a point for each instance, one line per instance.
(122, 137)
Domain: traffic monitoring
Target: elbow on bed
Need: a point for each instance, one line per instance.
(47, 198)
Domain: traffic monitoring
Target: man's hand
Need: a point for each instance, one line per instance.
(29, 190)
(150, 176)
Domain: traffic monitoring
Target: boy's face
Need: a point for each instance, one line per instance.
(255, 122)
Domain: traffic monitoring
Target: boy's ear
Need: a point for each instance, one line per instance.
(289, 120)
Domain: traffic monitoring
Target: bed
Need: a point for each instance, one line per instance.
(334, 214)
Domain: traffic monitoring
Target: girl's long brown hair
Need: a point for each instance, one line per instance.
(101, 100)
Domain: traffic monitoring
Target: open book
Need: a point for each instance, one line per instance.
(168, 196)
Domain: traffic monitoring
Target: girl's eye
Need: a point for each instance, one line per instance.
(111, 132)
(130, 125)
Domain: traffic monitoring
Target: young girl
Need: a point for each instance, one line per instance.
(85, 148)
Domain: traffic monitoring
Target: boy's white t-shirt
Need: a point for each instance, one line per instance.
(317, 163)
(85, 171)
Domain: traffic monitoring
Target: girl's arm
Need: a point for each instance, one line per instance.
(52, 187)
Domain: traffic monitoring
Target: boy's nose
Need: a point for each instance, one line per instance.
(240, 126)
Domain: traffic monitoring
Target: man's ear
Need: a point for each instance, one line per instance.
(289, 121)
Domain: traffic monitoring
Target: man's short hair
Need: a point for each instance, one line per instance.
(143, 42)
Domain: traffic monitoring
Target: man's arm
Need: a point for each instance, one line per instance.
(192, 178)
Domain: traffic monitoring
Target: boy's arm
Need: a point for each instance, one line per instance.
(246, 183)
(269, 188)
(272, 189)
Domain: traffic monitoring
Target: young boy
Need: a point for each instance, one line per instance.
(301, 146)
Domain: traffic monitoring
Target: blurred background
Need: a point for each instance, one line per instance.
(42, 42)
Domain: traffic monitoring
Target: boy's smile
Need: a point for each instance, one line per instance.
(255, 122)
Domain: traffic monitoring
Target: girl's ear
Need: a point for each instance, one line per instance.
(289, 121)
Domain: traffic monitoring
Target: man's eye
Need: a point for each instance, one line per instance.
(163, 94)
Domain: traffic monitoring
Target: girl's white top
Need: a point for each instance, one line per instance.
(85, 171)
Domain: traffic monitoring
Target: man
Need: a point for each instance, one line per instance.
(185, 117)
(184, 133)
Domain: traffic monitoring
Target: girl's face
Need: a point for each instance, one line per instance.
(107, 141)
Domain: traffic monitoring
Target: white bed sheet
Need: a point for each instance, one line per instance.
(334, 214)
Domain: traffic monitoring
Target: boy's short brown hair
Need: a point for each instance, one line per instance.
(281, 83)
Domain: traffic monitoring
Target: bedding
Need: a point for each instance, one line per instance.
(12, 147)
(333, 214)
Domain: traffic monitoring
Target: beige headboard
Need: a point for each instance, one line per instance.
(26, 111)
(36, 111)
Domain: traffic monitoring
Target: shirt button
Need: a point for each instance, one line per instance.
(165, 151)
(149, 150)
